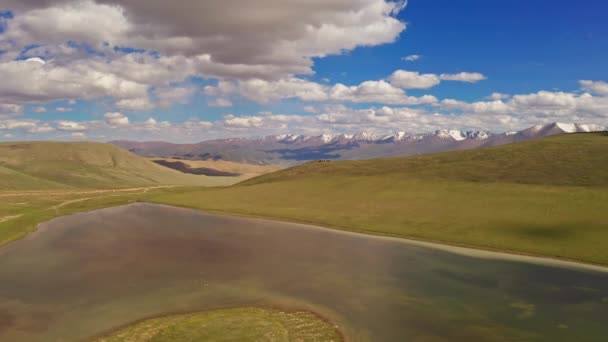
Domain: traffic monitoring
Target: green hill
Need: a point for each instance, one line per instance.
(545, 197)
(61, 165)
(567, 159)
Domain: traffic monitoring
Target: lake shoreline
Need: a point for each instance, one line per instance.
(459, 249)
(465, 250)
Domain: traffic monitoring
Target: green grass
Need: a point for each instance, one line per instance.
(543, 197)
(20, 212)
(61, 165)
(37, 176)
(241, 324)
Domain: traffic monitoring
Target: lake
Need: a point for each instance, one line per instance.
(82, 275)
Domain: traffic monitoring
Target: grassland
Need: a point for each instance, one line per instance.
(20, 212)
(544, 197)
(43, 180)
(241, 324)
(85, 165)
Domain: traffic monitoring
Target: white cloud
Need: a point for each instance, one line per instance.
(376, 92)
(231, 121)
(470, 77)
(221, 102)
(167, 96)
(9, 110)
(33, 82)
(227, 39)
(71, 126)
(63, 109)
(116, 119)
(413, 80)
(498, 96)
(310, 109)
(39, 110)
(411, 58)
(136, 104)
(595, 87)
(263, 91)
(36, 60)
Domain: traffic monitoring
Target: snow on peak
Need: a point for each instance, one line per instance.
(454, 134)
(510, 133)
(365, 136)
(288, 137)
(477, 135)
(591, 128)
(327, 138)
(566, 127)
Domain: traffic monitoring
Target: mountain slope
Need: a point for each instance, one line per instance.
(290, 149)
(568, 159)
(546, 196)
(53, 165)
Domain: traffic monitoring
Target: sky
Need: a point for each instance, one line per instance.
(190, 70)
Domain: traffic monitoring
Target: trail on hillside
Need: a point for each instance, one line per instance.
(27, 193)
(8, 218)
(132, 191)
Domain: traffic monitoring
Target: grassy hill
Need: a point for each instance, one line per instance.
(61, 165)
(567, 159)
(546, 196)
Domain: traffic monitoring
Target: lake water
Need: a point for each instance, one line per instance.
(85, 274)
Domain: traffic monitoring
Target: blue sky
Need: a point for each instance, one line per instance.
(89, 70)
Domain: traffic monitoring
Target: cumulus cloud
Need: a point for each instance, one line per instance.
(470, 77)
(28, 82)
(116, 119)
(498, 96)
(263, 91)
(595, 87)
(220, 102)
(377, 91)
(167, 96)
(230, 39)
(8, 109)
(415, 80)
(71, 126)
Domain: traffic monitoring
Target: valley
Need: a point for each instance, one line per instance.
(538, 198)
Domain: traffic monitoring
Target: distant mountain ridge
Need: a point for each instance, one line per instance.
(288, 149)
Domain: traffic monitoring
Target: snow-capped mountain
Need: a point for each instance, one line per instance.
(295, 148)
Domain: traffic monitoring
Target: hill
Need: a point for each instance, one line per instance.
(218, 166)
(567, 159)
(291, 149)
(543, 197)
(60, 165)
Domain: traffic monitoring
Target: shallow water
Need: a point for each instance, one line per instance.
(85, 274)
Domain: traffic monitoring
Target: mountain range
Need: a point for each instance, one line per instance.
(289, 149)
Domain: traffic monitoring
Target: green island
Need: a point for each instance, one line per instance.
(240, 324)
